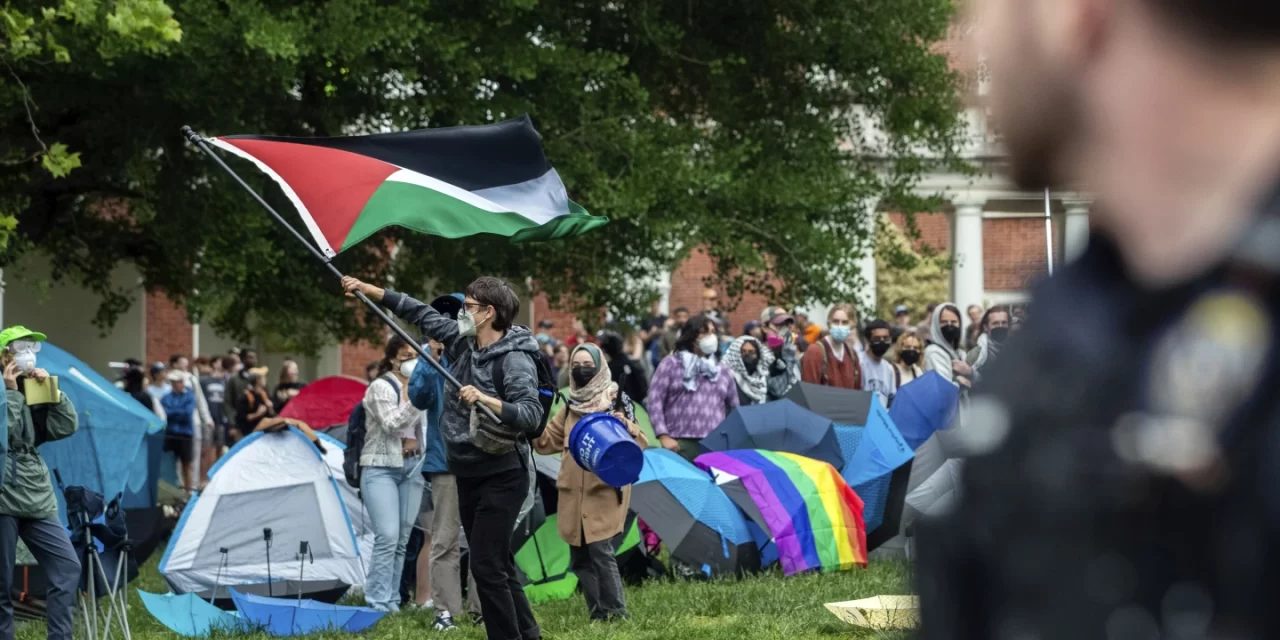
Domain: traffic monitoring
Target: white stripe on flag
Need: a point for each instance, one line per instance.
(479, 202)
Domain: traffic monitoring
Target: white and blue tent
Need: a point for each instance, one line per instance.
(280, 481)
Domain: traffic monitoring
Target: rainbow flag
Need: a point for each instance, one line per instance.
(804, 505)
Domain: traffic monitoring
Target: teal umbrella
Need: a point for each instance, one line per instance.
(189, 616)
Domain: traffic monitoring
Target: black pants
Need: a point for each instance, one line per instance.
(601, 582)
(489, 506)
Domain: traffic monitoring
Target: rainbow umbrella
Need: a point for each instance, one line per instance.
(806, 508)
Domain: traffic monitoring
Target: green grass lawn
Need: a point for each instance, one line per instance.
(756, 608)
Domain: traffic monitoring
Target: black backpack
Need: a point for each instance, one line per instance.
(355, 440)
(547, 389)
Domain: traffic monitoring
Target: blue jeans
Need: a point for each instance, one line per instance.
(393, 497)
(48, 542)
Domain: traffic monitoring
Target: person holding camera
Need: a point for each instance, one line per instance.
(28, 507)
(495, 362)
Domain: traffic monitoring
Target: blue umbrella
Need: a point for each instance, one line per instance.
(289, 617)
(877, 467)
(776, 426)
(923, 406)
(699, 524)
(188, 615)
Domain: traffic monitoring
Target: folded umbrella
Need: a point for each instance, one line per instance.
(776, 426)
(699, 524)
(293, 617)
(189, 616)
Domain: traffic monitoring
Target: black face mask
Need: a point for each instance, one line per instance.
(909, 357)
(999, 334)
(951, 333)
(751, 363)
(880, 348)
(583, 375)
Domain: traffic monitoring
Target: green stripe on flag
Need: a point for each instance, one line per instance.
(434, 213)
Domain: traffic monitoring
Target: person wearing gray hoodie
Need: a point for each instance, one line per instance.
(944, 343)
(491, 461)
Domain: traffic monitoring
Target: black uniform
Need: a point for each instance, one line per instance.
(1079, 524)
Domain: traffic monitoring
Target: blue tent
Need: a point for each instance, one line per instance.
(923, 406)
(103, 453)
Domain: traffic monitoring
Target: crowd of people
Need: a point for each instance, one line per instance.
(690, 371)
(208, 404)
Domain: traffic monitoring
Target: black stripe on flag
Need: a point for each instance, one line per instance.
(473, 158)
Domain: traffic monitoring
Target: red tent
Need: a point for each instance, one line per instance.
(325, 402)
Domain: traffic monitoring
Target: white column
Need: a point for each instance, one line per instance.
(1075, 229)
(664, 292)
(867, 263)
(967, 285)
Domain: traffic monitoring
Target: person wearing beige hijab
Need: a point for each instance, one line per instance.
(590, 512)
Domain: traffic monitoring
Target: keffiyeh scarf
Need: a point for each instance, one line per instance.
(752, 385)
(695, 367)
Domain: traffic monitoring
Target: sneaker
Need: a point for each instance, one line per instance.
(414, 606)
(444, 622)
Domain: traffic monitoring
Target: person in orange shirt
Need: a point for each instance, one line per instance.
(832, 361)
(810, 331)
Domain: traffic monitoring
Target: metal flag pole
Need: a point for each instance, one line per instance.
(199, 141)
(1048, 230)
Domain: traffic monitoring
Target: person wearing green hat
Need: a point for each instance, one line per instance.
(28, 508)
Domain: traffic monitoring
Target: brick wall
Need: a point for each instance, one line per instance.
(562, 320)
(1013, 253)
(935, 230)
(357, 355)
(687, 285)
(168, 331)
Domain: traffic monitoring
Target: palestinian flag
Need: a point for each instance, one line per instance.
(451, 182)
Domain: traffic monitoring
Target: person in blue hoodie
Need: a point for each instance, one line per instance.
(444, 530)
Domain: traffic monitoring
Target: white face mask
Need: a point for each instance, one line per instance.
(26, 361)
(467, 323)
(407, 367)
(708, 345)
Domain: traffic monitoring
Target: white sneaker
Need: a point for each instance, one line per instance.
(444, 622)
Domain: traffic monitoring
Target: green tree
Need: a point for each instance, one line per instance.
(725, 125)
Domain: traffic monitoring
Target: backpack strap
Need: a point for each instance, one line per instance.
(826, 355)
(499, 375)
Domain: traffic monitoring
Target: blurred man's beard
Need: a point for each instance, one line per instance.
(1038, 113)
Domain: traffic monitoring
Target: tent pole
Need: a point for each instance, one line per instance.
(199, 141)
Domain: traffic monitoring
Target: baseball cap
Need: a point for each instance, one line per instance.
(157, 367)
(901, 309)
(19, 332)
(775, 316)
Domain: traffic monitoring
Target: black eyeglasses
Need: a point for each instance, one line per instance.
(473, 306)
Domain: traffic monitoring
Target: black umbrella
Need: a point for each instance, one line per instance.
(697, 522)
(842, 406)
(777, 426)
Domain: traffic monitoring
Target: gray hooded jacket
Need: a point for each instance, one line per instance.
(521, 409)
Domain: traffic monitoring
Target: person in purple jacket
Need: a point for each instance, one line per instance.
(691, 391)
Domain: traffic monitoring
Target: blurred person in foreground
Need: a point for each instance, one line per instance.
(1127, 482)
(28, 507)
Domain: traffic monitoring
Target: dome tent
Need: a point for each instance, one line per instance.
(288, 483)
